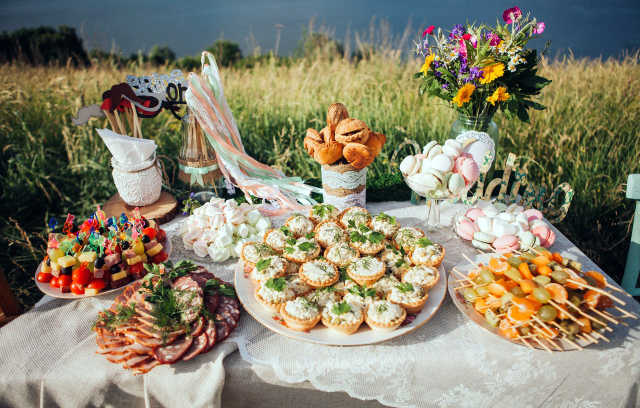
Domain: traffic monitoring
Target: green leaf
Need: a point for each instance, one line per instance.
(523, 115)
(424, 242)
(307, 246)
(263, 264)
(290, 241)
(277, 284)
(310, 235)
(536, 82)
(289, 250)
(405, 287)
(341, 308)
(534, 105)
(286, 230)
(375, 237)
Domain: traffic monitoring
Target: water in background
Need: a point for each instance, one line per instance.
(588, 27)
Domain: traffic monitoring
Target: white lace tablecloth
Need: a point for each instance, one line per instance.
(47, 356)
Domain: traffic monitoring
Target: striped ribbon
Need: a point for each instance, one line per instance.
(197, 172)
(205, 97)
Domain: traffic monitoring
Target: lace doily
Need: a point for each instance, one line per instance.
(348, 179)
(449, 361)
(483, 142)
(342, 203)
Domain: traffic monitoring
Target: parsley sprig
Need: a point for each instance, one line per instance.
(277, 284)
(384, 217)
(405, 287)
(424, 242)
(341, 308)
(323, 210)
(362, 291)
(362, 234)
(263, 264)
(114, 320)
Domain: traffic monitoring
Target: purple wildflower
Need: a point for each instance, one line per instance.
(458, 31)
(445, 86)
(475, 72)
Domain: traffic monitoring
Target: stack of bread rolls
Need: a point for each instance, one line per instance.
(344, 140)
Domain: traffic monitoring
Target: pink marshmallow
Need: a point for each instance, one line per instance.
(533, 214)
(466, 230)
(474, 214)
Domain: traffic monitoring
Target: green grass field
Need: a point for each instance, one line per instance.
(588, 137)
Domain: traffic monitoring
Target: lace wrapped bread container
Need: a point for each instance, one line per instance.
(138, 184)
(344, 148)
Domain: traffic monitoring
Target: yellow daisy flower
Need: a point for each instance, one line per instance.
(464, 94)
(500, 94)
(491, 72)
(427, 63)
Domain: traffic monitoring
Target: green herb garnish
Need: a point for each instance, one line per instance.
(288, 250)
(384, 217)
(310, 235)
(113, 320)
(424, 242)
(307, 246)
(341, 308)
(263, 264)
(401, 262)
(286, 230)
(343, 274)
(277, 284)
(322, 210)
(405, 287)
(362, 291)
(381, 308)
(290, 241)
(375, 237)
(213, 286)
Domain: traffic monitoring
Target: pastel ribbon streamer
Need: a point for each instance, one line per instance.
(205, 97)
(197, 172)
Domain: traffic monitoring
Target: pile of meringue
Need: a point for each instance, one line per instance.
(440, 171)
(220, 228)
(496, 226)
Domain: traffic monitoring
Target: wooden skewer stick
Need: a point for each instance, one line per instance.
(601, 336)
(535, 338)
(615, 317)
(136, 122)
(462, 287)
(609, 318)
(494, 251)
(485, 255)
(528, 336)
(521, 324)
(562, 329)
(588, 336)
(527, 344)
(470, 261)
(567, 339)
(585, 314)
(582, 337)
(557, 306)
(462, 276)
(593, 288)
(543, 324)
(626, 313)
(554, 344)
(121, 129)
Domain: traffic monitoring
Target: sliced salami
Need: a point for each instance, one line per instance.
(228, 317)
(137, 362)
(222, 328)
(232, 301)
(128, 292)
(212, 336)
(186, 283)
(122, 299)
(172, 353)
(211, 302)
(197, 327)
(199, 343)
(231, 308)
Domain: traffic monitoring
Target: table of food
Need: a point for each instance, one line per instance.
(284, 293)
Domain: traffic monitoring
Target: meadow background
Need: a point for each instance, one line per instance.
(588, 135)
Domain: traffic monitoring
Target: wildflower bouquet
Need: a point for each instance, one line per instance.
(482, 69)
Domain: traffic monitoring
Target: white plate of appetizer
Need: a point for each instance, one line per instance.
(342, 279)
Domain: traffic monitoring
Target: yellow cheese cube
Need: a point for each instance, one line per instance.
(87, 257)
(119, 275)
(143, 258)
(55, 266)
(152, 223)
(45, 268)
(134, 260)
(154, 250)
(91, 292)
(67, 261)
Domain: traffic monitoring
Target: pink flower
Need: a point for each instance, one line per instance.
(462, 47)
(494, 39)
(466, 37)
(474, 41)
(539, 29)
(511, 14)
(428, 31)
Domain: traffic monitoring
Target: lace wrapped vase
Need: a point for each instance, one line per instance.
(138, 184)
(344, 186)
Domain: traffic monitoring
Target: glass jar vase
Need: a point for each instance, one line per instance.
(479, 124)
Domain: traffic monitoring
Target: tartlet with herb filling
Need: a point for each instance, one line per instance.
(395, 260)
(252, 252)
(406, 237)
(323, 212)
(384, 316)
(329, 233)
(356, 214)
(319, 274)
(427, 253)
(383, 285)
(423, 275)
(411, 297)
(302, 250)
(385, 224)
(299, 225)
(274, 293)
(277, 238)
(360, 295)
(365, 240)
(323, 296)
(267, 268)
(297, 285)
(300, 314)
(366, 270)
(341, 254)
(342, 317)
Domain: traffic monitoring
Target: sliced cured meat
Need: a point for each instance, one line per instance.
(115, 351)
(232, 301)
(231, 308)
(128, 292)
(227, 316)
(197, 327)
(107, 336)
(140, 349)
(199, 343)
(223, 329)
(147, 321)
(211, 302)
(129, 327)
(118, 342)
(136, 361)
(200, 279)
(212, 336)
(152, 341)
(145, 367)
(172, 352)
(186, 283)
(120, 358)
(121, 298)
(149, 331)
(144, 312)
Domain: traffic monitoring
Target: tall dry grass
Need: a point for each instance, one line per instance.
(588, 137)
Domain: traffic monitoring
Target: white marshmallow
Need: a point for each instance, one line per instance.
(223, 240)
(522, 218)
(218, 254)
(443, 163)
(242, 230)
(253, 216)
(485, 224)
(518, 210)
(491, 211)
(500, 206)
(508, 217)
(510, 208)
(200, 248)
(263, 224)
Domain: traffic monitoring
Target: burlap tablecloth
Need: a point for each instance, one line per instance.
(47, 358)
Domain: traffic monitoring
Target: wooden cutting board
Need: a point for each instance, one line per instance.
(162, 211)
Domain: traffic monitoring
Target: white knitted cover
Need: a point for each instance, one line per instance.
(346, 180)
(139, 184)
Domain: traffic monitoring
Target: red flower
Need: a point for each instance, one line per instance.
(466, 37)
(428, 31)
(511, 14)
